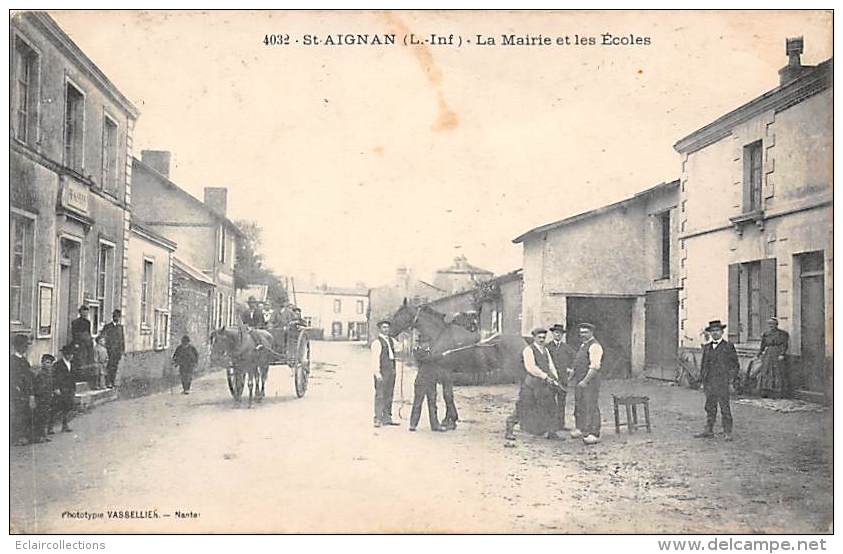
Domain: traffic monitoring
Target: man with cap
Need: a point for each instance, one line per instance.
(42, 391)
(20, 396)
(253, 316)
(115, 345)
(719, 368)
(536, 410)
(80, 333)
(774, 377)
(383, 366)
(563, 360)
(586, 376)
(64, 388)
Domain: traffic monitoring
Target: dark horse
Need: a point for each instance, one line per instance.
(237, 346)
(454, 348)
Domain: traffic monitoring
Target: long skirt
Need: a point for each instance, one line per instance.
(538, 412)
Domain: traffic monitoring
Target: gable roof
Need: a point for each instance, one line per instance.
(595, 212)
(192, 272)
(171, 186)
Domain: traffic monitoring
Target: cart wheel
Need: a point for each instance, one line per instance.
(301, 364)
(236, 379)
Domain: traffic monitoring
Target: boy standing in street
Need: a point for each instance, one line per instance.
(186, 357)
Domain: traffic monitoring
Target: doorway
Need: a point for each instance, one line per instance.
(812, 321)
(661, 333)
(69, 281)
(612, 318)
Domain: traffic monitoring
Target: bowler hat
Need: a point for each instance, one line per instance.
(83, 308)
(557, 327)
(715, 324)
(381, 322)
(68, 348)
(20, 341)
(47, 358)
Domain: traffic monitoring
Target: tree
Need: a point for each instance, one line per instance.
(248, 267)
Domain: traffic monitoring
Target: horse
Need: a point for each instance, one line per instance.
(453, 347)
(237, 345)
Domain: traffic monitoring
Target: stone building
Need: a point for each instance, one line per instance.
(385, 300)
(335, 313)
(206, 238)
(70, 193)
(460, 276)
(624, 281)
(146, 318)
(756, 222)
(192, 300)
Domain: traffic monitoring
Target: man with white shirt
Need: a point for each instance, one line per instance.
(383, 364)
(586, 377)
(536, 410)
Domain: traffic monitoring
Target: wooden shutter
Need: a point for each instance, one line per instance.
(733, 327)
(767, 302)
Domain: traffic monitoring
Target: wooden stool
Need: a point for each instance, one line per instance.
(631, 403)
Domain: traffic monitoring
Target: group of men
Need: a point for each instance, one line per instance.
(551, 369)
(97, 363)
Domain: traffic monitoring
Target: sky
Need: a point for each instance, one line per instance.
(355, 160)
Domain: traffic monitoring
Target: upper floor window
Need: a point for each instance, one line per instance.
(664, 220)
(26, 93)
(146, 294)
(20, 267)
(360, 306)
(752, 172)
(109, 154)
(337, 306)
(74, 117)
(221, 244)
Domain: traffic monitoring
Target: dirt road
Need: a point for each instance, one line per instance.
(317, 465)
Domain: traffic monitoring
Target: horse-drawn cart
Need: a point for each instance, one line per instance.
(250, 353)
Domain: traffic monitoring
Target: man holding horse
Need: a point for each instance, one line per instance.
(563, 359)
(383, 365)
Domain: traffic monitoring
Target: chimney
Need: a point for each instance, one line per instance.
(216, 198)
(159, 160)
(793, 48)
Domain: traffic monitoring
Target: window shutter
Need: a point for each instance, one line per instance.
(733, 327)
(767, 307)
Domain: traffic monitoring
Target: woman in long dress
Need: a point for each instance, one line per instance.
(772, 377)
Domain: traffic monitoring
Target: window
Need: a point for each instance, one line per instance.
(221, 244)
(109, 155)
(664, 219)
(360, 306)
(162, 330)
(337, 306)
(752, 298)
(230, 311)
(218, 310)
(752, 171)
(95, 316)
(20, 266)
(146, 294)
(26, 100)
(336, 329)
(105, 268)
(74, 114)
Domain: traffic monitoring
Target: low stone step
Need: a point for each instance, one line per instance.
(82, 386)
(90, 398)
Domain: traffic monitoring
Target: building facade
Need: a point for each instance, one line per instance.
(193, 295)
(384, 301)
(335, 313)
(70, 148)
(206, 238)
(460, 276)
(146, 319)
(756, 222)
(624, 281)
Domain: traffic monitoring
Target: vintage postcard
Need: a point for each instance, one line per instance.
(522, 272)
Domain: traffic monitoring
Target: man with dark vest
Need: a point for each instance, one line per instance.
(20, 393)
(718, 369)
(586, 377)
(563, 359)
(115, 344)
(383, 364)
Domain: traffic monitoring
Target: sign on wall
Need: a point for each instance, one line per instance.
(45, 311)
(74, 195)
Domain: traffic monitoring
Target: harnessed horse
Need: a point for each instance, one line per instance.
(453, 347)
(240, 346)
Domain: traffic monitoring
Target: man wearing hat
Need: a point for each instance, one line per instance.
(536, 411)
(719, 368)
(383, 366)
(115, 345)
(80, 333)
(774, 377)
(64, 385)
(563, 359)
(586, 377)
(20, 396)
(253, 316)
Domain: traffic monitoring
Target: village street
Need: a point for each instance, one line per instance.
(317, 465)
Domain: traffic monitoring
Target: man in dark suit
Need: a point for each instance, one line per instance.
(20, 390)
(80, 333)
(718, 370)
(563, 359)
(253, 316)
(115, 344)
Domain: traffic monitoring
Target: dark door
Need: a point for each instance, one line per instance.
(612, 318)
(661, 333)
(813, 322)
